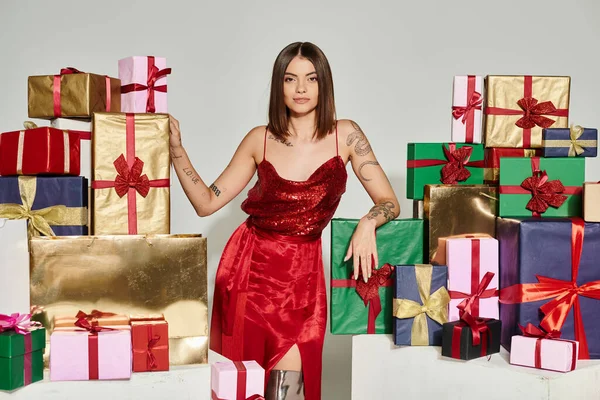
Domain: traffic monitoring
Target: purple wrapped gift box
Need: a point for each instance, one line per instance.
(574, 142)
(406, 286)
(542, 247)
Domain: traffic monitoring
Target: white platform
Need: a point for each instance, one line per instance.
(182, 383)
(380, 370)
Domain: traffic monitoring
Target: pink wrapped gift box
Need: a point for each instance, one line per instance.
(228, 378)
(70, 354)
(555, 354)
(468, 260)
(467, 119)
(144, 84)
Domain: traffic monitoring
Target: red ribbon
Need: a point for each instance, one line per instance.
(454, 166)
(474, 100)
(564, 294)
(93, 328)
(94, 315)
(152, 344)
(533, 331)
(153, 75)
(479, 330)
(56, 86)
(544, 193)
(531, 110)
(369, 291)
(129, 179)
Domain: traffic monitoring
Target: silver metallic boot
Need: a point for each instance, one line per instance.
(285, 385)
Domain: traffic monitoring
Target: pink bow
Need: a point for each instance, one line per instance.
(20, 323)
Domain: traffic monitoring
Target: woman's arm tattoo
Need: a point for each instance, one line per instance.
(215, 189)
(189, 172)
(361, 167)
(384, 208)
(362, 146)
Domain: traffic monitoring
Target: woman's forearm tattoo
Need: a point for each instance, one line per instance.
(361, 167)
(189, 172)
(384, 209)
(362, 146)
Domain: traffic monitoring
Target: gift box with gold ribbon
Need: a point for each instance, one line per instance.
(128, 275)
(420, 306)
(517, 108)
(72, 93)
(455, 210)
(570, 142)
(51, 205)
(131, 172)
(358, 307)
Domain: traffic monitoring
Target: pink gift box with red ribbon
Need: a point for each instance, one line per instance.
(240, 380)
(469, 260)
(467, 115)
(144, 84)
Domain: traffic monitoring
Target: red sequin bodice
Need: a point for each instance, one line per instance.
(296, 208)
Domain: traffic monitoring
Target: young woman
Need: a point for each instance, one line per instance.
(270, 297)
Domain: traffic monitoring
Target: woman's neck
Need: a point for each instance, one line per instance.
(303, 126)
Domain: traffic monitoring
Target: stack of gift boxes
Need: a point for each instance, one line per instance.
(502, 246)
(109, 289)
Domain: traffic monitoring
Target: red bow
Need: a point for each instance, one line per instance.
(149, 352)
(533, 113)
(471, 301)
(70, 70)
(133, 177)
(95, 314)
(473, 104)
(154, 74)
(455, 170)
(93, 327)
(544, 193)
(479, 330)
(369, 292)
(533, 331)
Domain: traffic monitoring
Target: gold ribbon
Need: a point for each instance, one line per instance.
(434, 306)
(576, 146)
(39, 221)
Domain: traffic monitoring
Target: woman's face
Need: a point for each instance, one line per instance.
(300, 86)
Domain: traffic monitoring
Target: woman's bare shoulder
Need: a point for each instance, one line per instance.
(346, 127)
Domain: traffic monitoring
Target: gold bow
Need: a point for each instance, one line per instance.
(434, 306)
(575, 145)
(39, 221)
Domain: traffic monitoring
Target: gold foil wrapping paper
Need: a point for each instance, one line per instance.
(591, 202)
(80, 95)
(459, 209)
(505, 91)
(126, 274)
(151, 146)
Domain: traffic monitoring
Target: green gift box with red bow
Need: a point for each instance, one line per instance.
(541, 187)
(358, 307)
(442, 163)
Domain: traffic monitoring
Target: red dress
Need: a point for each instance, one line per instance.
(270, 287)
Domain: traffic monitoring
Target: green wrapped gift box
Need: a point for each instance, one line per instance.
(532, 187)
(448, 163)
(398, 242)
(21, 358)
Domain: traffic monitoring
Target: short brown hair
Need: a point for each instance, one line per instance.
(279, 113)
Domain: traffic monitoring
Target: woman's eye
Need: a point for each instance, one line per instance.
(288, 79)
(312, 79)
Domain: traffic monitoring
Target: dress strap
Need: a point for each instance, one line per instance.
(337, 152)
(265, 145)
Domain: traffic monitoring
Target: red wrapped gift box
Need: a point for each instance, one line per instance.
(150, 340)
(40, 151)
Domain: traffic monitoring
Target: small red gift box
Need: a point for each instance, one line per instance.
(150, 340)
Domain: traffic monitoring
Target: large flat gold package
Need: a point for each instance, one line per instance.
(457, 210)
(127, 274)
(130, 174)
(72, 94)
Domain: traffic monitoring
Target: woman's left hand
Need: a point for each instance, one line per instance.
(363, 248)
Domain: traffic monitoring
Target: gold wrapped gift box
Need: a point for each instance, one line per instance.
(505, 117)
(127, 274)
(457, 210)
(133, 138)
(81, 95)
